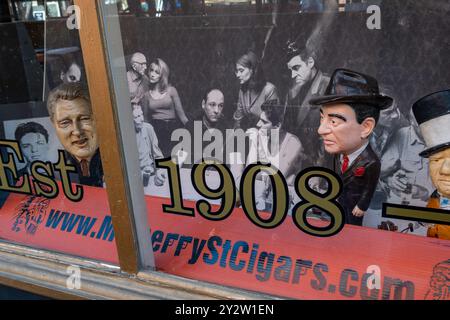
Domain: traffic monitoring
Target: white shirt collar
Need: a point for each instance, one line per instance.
(444, 202)
(352, 157)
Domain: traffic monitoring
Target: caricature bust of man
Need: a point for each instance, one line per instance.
(70, 112)
(349, 111)
(432, 113)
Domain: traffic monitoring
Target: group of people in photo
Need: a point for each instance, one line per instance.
(344, 121)
(260, 108)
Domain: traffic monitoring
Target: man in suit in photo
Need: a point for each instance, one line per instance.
(209, 118)
(350, 109)
(33, 141)
(302, 118)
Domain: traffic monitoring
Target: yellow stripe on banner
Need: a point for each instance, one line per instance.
(413, 213)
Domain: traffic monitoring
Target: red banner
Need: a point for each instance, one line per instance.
(234, 252)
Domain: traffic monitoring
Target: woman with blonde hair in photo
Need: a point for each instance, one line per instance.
(162, 105)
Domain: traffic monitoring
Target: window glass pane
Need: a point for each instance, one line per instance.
(161, 8)
(27, 10)
(328, 87)
(52, 193)
(164, 8)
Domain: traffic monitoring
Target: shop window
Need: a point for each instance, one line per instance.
(193, 80)
(231, 153)
(51, 172)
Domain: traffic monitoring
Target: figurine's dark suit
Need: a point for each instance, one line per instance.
(360, 181)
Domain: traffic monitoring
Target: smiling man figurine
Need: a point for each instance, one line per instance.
(432, 113)
(350, 110)
(70, 111)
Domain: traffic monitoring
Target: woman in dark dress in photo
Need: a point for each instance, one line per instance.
(162, 106)
(253, 93)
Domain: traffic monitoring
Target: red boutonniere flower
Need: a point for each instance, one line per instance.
(359, 172)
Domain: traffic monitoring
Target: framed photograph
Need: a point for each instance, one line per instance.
(53, 144)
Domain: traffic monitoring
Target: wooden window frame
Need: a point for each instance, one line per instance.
(44, 272)
(123, 184)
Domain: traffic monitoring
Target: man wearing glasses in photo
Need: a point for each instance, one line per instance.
(138, 82)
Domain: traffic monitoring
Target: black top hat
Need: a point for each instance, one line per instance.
(348, 86)
(432, 113)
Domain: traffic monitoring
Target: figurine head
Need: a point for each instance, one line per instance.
(432, 113)
(70, 111)
(350, 109)
(345, 128)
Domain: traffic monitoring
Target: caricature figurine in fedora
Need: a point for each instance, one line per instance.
(432, 113)
(350, 109)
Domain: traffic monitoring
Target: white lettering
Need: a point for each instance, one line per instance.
(74, 280)
(374, 280)
(74, 19)
(374, 21)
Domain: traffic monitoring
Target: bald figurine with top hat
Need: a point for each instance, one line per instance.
(350, 109)
(432, 113)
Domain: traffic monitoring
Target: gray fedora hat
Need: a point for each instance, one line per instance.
(348, 86)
